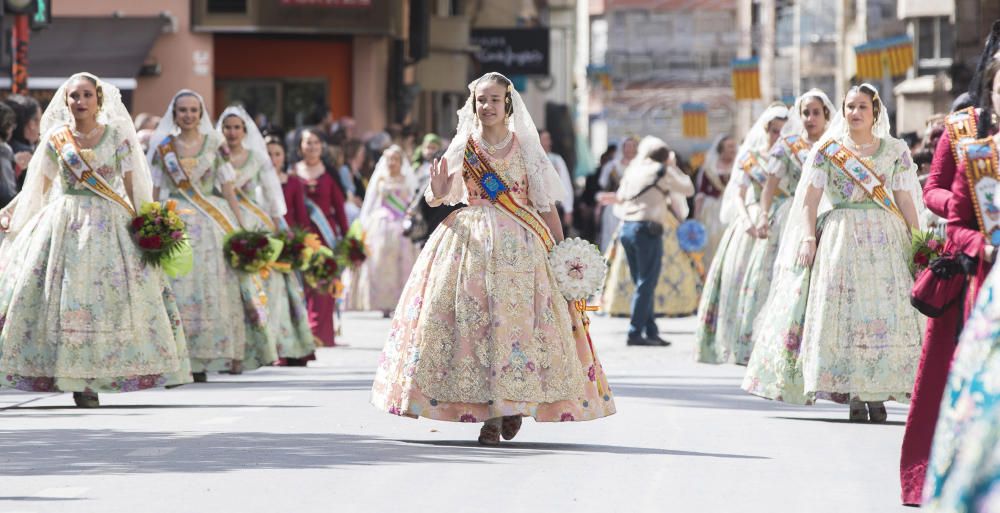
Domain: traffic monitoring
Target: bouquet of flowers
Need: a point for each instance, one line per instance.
(352, 247)
(579, 268)
(297, 249)
(160, 233)
(251, 251)
(323, 273)
(925, 246)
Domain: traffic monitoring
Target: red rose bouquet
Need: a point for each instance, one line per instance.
(298, 249)
(924, 248)
(161, 235)
(323, 273)
(251, 251)
(351, 248)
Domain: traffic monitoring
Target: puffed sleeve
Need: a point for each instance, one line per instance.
(49, 166)
(778, 161)
(122, 154)
(904, 177)
(817, 173)
(937, 188)
(224, 172)
(158, 177)
(544, 185)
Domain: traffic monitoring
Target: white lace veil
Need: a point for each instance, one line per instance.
(794, 126)
(114, 116)
(544, 187)
(268, 193)
(372, 199)
(168, 127)
(756, 140)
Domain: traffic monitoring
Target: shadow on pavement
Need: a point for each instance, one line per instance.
(713, 396)
(106, 407)
(544, 447)
(842, 421)
(59, 452)
(41, 499)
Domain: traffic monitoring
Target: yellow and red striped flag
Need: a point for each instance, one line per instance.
(894, 54)
(695, 124)
(746, 79)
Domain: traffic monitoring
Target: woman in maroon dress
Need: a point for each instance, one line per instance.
(291, 185)
(323, 202)
(946, 193)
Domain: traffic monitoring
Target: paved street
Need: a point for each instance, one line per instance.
(686, 439)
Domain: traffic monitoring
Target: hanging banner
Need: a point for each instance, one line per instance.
(746, 79)
(893, 55)
(695, 120)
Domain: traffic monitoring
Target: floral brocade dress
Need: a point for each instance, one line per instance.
(81, 312)
(757, 280)
(677, 289)
(378, 282)
(844, 328)
(225, 320)
(481, 330)
(963, 474)
(286, 305)
(717, 331)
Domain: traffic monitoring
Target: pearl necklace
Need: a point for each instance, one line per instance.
(88, 135)
(493, 148)
(860, 147)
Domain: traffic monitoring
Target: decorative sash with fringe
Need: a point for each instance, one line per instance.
(318, 218)
(861, 174)
(752, 167)
(174, 169)
(983, 173)
(797, 148)
(71, 155)
(963, 128)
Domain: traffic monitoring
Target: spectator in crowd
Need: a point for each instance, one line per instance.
(8, 180)
(587, 212)
(26, 132)
(565, 203)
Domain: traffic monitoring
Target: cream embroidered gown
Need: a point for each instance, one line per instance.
(844, 329)
(288, 319)
(382, 276)
(481, 330)
(223, 310)
(81, 312)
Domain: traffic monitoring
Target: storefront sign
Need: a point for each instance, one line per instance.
(513, 51)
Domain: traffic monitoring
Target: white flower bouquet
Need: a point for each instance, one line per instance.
(579, 268)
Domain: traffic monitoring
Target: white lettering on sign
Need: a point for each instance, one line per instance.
(509, 57)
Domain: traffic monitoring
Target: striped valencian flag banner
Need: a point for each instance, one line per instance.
(893, 54)
(695, 116)
(746, 79)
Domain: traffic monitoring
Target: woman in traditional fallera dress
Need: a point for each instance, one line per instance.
(482, 333)
(841, 308)
(710, 182)
(679, 285)
(807, 123)
(377, 283)
(82, 313)
(223, 310)
(263, 205)
(948, 195)
(718, 319)
(324, 201)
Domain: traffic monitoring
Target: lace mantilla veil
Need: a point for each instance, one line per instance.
(115, 117)
(381, 173)
(544, 187)
(756, 140)
(269, 191)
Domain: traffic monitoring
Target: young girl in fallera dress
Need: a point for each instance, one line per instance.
(81, 312)
(482, 333)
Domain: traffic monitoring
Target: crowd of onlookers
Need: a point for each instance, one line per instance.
(20, 118)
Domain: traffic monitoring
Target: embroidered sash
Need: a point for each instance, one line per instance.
(318, 218)
(797, 147)
(174, 169)
(254, 209)
(395, 205)
(858, 171)
(499, 194)
(70, 154)
(963, 128)
(983, 173)
(752, 167)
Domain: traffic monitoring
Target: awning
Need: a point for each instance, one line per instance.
(111, 48)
